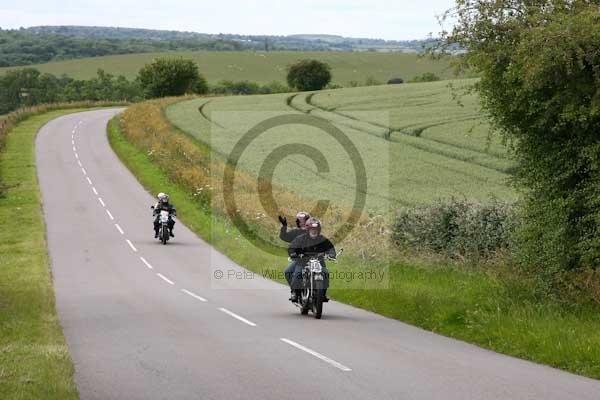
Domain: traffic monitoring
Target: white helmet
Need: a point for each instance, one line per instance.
(161, 196)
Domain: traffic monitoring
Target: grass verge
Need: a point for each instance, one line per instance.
(34, 358)
(503, 315)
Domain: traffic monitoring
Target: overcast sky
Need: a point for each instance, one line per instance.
(387, 19)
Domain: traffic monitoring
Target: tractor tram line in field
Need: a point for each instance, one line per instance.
(421, 143)
(435, 154)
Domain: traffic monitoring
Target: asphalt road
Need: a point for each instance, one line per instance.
(144, 321)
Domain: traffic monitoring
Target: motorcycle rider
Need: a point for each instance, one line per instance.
(306, 245)
(287, 236)
(163, 205)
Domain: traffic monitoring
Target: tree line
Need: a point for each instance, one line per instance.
(160, 78)
(19, 48)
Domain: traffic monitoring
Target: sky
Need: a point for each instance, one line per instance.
(385, 19)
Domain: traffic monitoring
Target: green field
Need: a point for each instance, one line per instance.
(418, 145)
(261, 67)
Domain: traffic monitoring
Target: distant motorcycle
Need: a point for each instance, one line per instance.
(312, 293)
(163, 230)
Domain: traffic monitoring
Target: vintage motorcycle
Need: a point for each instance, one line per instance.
(312, 293)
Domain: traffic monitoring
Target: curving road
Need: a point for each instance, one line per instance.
(142, 321)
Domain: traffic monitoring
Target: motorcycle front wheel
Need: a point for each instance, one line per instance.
(318, 303)
(304, 302)
(164, 235)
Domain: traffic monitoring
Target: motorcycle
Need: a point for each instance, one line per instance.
(163, 229)
(313, 289)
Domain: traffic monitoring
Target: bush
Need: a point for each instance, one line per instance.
(309, 75)
(231, 87)
(457, 229)
(539, 68)
(247, 87)
(371, 81)
(274, 87)
(171, 77)
(426, 77)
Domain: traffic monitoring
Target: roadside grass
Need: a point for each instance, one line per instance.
(480, 307)
(34, 358)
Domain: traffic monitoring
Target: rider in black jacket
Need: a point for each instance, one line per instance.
(288, 236)
(163, 204)
(309, 244)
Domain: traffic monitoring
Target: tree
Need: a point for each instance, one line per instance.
(171, 77)
(309, 75)
(539, 68)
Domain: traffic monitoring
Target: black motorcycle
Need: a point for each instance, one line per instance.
(312, 293)
(163, 227)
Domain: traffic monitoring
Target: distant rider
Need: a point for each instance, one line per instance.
(306, 245)
(288, 237)
(163, 205)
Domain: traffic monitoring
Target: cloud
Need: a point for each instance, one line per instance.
(358, 18)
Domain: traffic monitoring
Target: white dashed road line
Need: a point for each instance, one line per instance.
(146, 262)
(318, 355)
(95, 191)
(101, 201)
(110, 215)
(84, 171)
(194, 295)
(119, 229)
(164, 278)
(131, 245)
(234, 315)
(89, 180)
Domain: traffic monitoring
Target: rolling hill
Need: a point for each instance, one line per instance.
(261, 67)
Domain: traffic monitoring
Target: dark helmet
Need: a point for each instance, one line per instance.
(301, 218)
(313, 223)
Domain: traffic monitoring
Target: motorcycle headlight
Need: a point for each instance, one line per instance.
(316, 268)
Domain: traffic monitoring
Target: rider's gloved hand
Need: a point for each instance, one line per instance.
(283, 220)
